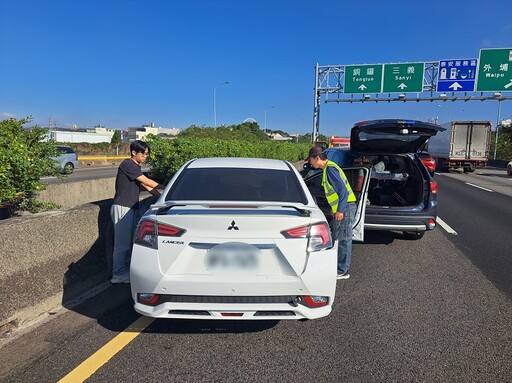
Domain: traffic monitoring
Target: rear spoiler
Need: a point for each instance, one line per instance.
(163, 209)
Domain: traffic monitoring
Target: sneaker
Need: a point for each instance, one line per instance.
(343, 276)
(116, 279)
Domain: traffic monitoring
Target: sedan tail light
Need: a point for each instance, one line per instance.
(149, 299)
(318, 235)
(148, 231)
(313, 301)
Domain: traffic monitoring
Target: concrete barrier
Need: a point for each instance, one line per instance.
(89, 161)
(49, 259)
(68, 194)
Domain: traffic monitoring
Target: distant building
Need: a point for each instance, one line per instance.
(76, 136)
(279, 137)
(102, 130)
(101, 134)
(140, 133)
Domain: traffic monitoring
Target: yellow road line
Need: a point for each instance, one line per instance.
(101, 158)
(104, 354)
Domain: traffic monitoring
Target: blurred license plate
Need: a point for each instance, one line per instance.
(232, 257)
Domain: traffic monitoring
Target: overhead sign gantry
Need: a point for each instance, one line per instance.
(447, 79)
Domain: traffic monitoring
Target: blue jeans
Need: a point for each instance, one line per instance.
(125, 220)
(342, 232)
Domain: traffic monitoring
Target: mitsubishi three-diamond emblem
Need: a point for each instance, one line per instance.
(233, 226)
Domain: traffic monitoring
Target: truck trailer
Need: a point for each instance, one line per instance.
(464, 144)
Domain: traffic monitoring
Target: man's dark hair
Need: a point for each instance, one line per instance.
(139, 146)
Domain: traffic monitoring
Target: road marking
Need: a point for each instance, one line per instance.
(479, 187)
(104, 354)
(445, 226)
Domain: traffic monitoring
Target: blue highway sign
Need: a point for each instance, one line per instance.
(457, 75)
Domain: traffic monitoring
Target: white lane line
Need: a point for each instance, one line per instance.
(445, 226)
(479, 187)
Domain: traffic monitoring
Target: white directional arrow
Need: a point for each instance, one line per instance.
(455, 86)
(402, 86)
(509, 84)
(362, 87)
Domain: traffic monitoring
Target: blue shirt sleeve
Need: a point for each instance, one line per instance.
(339, 186)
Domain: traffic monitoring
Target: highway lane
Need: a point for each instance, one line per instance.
(436, 309)
(479, 208)
(495, 179)
(87, 173)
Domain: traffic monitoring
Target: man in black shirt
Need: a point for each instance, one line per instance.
(124, 211)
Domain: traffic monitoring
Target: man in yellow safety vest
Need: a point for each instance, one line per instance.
(342, 200)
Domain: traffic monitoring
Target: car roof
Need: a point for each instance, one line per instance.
(238, 162)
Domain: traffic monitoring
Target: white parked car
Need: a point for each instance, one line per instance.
(509, 168)
(234, 238)
(67, 160)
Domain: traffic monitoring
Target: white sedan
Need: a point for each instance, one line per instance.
(509, 168)
(234, 238)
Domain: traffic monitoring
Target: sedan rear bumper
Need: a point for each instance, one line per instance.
(233, 311)
(235, 296)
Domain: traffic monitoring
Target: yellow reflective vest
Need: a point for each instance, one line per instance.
(330, 193)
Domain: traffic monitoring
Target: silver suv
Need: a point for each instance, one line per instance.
(67, 161)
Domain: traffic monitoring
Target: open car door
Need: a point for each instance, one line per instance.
(359, 179)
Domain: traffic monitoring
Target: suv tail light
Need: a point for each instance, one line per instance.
(433, 187)
(148, 231)
(318, 235)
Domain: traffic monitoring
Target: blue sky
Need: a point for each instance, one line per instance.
(127, 63)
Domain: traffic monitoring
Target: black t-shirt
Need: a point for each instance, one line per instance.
(127, 187)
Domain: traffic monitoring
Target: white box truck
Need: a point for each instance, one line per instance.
(464, 144)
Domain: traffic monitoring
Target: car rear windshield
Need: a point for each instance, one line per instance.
(237, 184)
(65, 149)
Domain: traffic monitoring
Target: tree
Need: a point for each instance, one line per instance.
(25, 156)
(247, 131)
(116, 138)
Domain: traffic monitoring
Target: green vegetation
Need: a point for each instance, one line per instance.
(25, 157)
(116, 138)
(248, 131)
(99, 149)
(244, 140)
(504, 148)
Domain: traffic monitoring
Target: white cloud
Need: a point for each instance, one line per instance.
(6, 116)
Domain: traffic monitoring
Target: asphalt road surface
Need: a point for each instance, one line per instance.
(434, 310)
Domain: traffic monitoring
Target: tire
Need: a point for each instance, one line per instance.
(469, 170)
(413, 235)
(68, 168)
(509, 170)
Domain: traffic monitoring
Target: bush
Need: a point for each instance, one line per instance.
(100, 149)
(24, 158)
(167, 156)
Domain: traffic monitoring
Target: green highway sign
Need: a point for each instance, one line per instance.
(401, 78)
(494, 70)
(363, 79)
